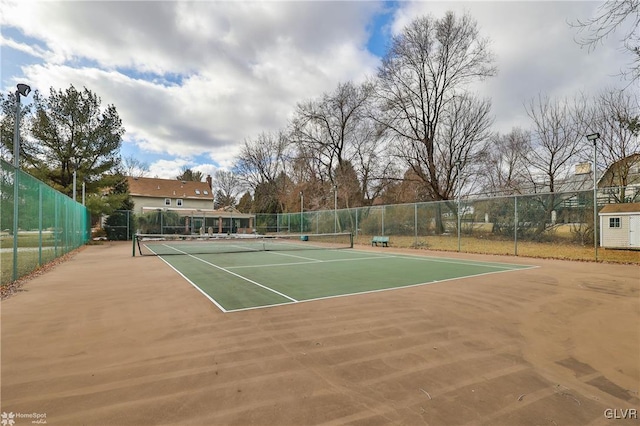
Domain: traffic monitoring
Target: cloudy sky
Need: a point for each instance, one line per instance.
(192, 80)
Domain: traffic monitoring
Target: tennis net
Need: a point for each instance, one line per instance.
(163, 245)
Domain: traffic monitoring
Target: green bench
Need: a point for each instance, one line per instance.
(382, 240)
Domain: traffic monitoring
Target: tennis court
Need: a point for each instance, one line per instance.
(248, 273)
(106, 338)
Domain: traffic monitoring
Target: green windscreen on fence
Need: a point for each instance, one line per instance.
(49, 224)
(515, 224)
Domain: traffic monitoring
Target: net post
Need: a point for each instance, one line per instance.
(135, 236)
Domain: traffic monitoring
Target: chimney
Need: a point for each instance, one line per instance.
(210, 182)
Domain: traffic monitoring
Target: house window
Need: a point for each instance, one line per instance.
(179, 202)
(167, 201)
(614, 222)
(197, 192)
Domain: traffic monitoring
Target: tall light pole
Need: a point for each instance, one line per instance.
(458, 164)
(75, 173)
(23, 90)
(301, 209)
(594, 138)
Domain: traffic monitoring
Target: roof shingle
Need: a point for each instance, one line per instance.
(168, 188)
(621, 208)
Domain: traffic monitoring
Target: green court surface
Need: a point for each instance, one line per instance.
(249, 280)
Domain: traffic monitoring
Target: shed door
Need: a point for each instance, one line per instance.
(634, 231)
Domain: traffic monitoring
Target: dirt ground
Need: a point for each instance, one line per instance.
(107, 339)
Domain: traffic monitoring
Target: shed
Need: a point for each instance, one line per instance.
(620, 225)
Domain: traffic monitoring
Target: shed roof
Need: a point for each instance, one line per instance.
(621, 208)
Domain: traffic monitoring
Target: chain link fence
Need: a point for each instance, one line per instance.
(555, 225)
(515, 225)
(123, 224)
(37, 223)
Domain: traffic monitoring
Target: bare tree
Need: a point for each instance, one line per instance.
(408, 189)
(262, 159)
(372, 162)
(611, 16)
(464, 138)
(504, 169)
(422, 92)
(306, 174)
(618, 145)
(556, 139)
(227, 186)
(327, 126)
(262, 165)
(335, 136)
(131, 166)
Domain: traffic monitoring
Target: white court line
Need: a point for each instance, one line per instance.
(235, 275)
(375, 291)
(515, 267)
(293, 255)
(191, 282)
(242, 249)
(313, 262)
(372, 256)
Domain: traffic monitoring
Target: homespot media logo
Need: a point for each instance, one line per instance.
(10, 419)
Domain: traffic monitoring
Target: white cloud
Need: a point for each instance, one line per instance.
(167, 169)
(195, 79)
(238, 69)
(535, 51)
(34, 51)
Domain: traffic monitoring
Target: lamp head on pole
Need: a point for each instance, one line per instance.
(23, 89)
(593, 137)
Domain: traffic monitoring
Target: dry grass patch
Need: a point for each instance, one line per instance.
(555, 250)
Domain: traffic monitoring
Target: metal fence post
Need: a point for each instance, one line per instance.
(55, 225)
(595, 213)
(515, 225)
(16, 197)
(415, 222)
(357, 210)
(40, 224)
(459, 221)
